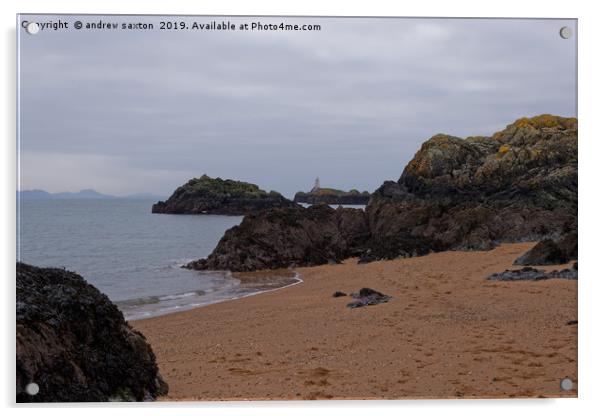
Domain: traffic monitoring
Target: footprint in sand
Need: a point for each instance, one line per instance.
(316, 377)
(244, 372)
(317, 395)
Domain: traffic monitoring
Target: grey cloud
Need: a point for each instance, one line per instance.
(351, 103)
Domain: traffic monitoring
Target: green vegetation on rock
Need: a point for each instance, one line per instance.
(225, 188)
(333, 196)
(206, 195)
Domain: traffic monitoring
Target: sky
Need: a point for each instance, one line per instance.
(143, 111)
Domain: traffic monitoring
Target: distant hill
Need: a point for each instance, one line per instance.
(36, 194)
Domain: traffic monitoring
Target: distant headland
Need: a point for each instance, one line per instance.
(319, 195)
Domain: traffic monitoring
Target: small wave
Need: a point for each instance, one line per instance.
(173, 265)
(180, 263)
(182, 295)
(148, 300)
(213, 273)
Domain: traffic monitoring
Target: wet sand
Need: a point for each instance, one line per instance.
(447, 333)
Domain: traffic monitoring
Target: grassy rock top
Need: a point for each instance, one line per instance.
(224, 188)
(333, 196)
(206, 195)
(337, 192)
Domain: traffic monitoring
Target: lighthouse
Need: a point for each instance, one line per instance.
(316, 185)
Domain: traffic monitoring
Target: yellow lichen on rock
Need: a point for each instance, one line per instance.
(546, 120)
(504, 149)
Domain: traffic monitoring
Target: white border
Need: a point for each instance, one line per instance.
(590, 347)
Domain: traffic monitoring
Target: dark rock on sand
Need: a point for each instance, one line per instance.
(297, 236)
(206, 195)
(573, 322)
(470, 194)
(75, 344)
(548, 251)
(366, 297)
(530, 273)
(338, 294)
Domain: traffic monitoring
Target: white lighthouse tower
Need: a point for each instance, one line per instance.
(316, 185)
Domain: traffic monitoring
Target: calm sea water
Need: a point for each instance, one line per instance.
(131, 255)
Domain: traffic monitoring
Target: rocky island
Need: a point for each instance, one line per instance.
(206, 195)
(520, 184)
(319, 195)
(74, 344)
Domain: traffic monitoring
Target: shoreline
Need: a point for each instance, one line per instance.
(247, 276)
(446, 333)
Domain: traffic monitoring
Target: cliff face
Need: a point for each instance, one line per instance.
(279, 238)
(332, 197)
(519, 184)
(206, 195)
(74, 343)
(529, 159)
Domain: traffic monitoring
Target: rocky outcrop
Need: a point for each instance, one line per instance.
(529, 273)
(455, 194)
(207, 195)
(548, 251)
(285, 237)
(75, 345)
(332, 197)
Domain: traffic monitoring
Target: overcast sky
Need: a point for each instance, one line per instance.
(144, 111)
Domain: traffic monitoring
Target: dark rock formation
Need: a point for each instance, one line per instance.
(206, 195)
(455, 194)
(338, 294)
(74, 343)
(549, 251)
(529, 273)
(286, 237)
(366, 297)
(333, 197)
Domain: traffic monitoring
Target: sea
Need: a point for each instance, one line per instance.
(132, 255)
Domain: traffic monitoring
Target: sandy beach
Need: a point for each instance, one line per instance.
(447, 333)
